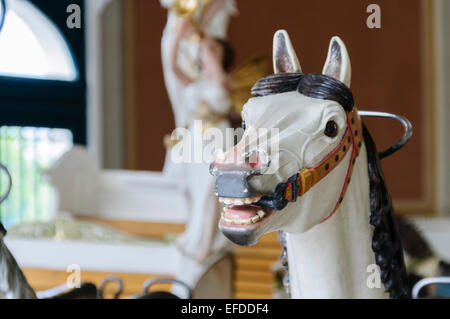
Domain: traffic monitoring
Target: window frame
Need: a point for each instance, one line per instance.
(50, 103)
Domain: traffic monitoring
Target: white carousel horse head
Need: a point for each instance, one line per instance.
(309, 129)
(296, 178)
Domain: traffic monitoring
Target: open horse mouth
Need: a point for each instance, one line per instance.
(241, 217)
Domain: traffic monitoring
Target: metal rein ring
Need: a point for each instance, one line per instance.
(400, 143)
(152, 282)
(108, 280)
(6, 193)
(428, 281)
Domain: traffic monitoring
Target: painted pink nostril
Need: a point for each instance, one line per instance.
(255, 161)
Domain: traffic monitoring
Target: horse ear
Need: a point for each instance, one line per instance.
(338, 62)
(284, 57)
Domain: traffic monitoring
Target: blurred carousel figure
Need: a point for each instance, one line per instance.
(196, 60)
(209, 17)
(206, 98)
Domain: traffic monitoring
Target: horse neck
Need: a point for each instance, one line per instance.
(331, 260)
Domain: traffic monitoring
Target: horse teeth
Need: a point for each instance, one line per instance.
(227, 220)
(261, 213)
(239, 201)
(247, 221)
(255, 219)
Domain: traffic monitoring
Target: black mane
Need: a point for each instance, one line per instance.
(386, 243)
(317, 86)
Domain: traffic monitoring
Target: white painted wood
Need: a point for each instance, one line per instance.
(283, 51)
(338, 63)
(141, 196)
(83, 189)
(50, 254)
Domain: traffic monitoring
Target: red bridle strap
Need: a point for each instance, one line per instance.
(308, 177)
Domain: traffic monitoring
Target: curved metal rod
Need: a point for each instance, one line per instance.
(5, 195)
(400, 143)
(428, 281)
(105, 282)
(151, 282)
(2, 12)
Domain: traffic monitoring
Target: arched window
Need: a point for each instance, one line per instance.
(32, 45)
(42, 100)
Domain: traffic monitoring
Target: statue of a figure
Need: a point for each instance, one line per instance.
(196, 63)
(211, 18)
(207, 98)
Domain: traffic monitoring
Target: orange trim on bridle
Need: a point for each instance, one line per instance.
(308, 177)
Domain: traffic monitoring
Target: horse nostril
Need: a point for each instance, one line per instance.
(258, 160)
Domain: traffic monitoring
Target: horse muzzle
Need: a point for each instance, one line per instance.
(232, 179)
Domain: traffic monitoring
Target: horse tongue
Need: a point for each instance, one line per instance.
(241, 211)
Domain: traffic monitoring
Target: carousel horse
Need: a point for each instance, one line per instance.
(322, 187)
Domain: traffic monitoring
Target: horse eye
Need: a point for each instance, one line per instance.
(331, 129)
(243, 125)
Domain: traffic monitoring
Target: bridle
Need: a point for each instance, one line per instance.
(306, 178)
(299, 183)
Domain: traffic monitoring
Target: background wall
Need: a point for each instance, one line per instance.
(390, 73)
(443, 111)
(113, 87)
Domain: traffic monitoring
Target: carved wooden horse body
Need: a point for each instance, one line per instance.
(326, 190)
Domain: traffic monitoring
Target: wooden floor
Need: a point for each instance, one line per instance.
(253, 277)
